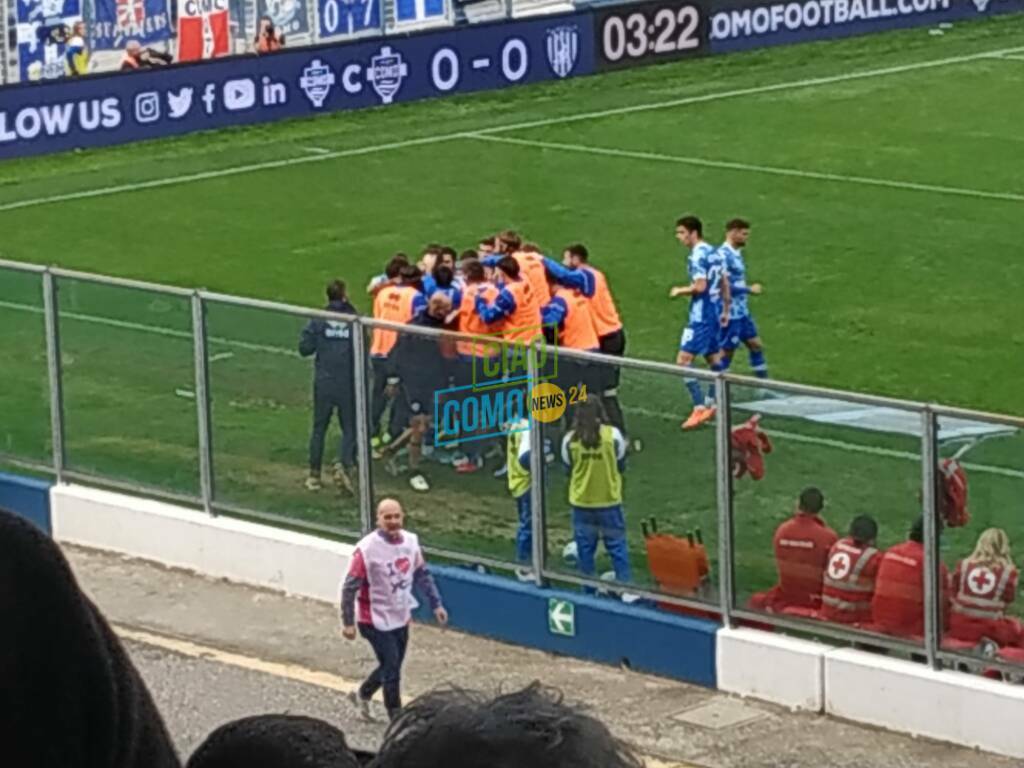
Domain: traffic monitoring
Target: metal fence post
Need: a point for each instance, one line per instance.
(200, 362)
(537, 469)
(723, 482)
(361, 381)
(932, 556)
(51, 309)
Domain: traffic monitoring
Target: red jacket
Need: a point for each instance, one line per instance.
(801, 545)
(981, 595)
(849, 582)
(898, 604)
(748, 444)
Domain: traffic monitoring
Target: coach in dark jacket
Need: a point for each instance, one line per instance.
(333, 387)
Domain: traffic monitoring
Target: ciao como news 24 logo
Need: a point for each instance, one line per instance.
(496, 394)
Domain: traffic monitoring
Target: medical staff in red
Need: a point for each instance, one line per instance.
(898, 605)
(802, 545)
(849, 582)
(984, 585)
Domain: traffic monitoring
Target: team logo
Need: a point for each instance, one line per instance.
(563, 48)
(316, 82)
(981, 5)
(387, 71)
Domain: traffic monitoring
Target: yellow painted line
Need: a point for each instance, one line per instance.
(294, 672)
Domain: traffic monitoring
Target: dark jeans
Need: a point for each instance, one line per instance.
(329, 397)
(389, 648)
(613, 344)
(382, 368)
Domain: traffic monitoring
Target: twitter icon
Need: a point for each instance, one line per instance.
(178, 104)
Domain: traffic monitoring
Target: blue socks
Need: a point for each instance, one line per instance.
(696, 394)
(758, 364)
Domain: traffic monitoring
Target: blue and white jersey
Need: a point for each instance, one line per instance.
(736, 269)
(705, 263)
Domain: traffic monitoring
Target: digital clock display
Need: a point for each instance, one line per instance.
(633, 33)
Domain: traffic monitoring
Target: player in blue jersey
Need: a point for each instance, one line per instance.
(709, 312)
(741, 328)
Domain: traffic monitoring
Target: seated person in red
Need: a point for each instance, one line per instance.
(984, 585)
(802, 545)
(898, 605)
(850, 574)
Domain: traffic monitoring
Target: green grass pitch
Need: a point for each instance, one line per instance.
(884, 211)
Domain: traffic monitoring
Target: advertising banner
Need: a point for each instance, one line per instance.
(646, 33)
(203, 29)
(111, 109)
(290, 17)
(115, 22)
(43, 26)
(347, 18)
(735, 26)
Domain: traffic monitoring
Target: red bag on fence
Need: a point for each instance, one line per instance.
(748, 445)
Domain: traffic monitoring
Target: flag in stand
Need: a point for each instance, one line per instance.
(203, 29)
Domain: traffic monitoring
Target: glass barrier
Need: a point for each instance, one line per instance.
(129, 387)
(282, 423)
(826, 503)
(664, 536)
(980, 485)
(24, 396)
(437, 425)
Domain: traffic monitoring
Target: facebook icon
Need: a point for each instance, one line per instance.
(344, 18)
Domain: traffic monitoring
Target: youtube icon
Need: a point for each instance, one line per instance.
(239, 94)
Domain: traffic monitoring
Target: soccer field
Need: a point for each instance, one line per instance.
(882, 175)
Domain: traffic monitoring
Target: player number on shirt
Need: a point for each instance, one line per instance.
(636, 35)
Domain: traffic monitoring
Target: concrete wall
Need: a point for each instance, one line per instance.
(222, 547)
(251, 553)
(777, 668)
(903, 696)
(27, 497)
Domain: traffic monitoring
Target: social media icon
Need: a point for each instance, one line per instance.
(239, 94)
(147, 107)
(178, 104)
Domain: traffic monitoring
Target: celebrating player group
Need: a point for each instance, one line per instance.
(719, 319)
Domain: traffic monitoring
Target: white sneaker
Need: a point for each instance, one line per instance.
(313, 483)
(363, 705)
(524, 574)
(419, 483)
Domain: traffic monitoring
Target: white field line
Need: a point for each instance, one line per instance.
(1008, 56)
(746, 167)
(822, 441)
(582, 116)
(159, 330)
(316, 150)
(842, 445)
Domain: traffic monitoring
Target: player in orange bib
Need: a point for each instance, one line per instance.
(515, 306)
(577, 272)
(477, 359)
(399, 301)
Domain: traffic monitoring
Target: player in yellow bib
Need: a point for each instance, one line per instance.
(517, 457)
(595, 454)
